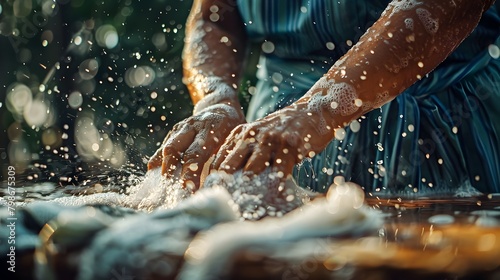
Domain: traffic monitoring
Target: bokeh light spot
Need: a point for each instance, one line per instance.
(36, 113)
(22, 8)
(268, 47)
(18, 97)
(51, 137)
(494, 51)
(75, 99)
(107, 36)
(88, 69)
(139, 76)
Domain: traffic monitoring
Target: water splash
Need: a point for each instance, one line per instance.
(342, 212)
(256, 196)
(153, 192)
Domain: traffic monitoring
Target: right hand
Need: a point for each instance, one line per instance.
(191, 142)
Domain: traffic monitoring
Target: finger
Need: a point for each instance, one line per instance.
(260, 159)
(156, 160)
(220, 156)
(238, 156)
(194, 159)
(175, 147)
(168, 169)
(225, 148)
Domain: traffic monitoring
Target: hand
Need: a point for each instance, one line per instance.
(191, 143)
(278, 141)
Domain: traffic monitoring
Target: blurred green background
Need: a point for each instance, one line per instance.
(88, 86)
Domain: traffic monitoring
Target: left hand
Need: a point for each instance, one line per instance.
(279, 141)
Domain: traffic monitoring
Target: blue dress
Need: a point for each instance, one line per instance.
(442, 135)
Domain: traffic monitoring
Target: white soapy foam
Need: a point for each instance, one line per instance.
(381, 98)
(154, 192)
(256, 196)
(215, 90)
(137, 241)
(346, 96)
(342, 212)
(340, 98)
(431, 25)
(261, 195)
(403, 5)
(157, 192)
(409, 23)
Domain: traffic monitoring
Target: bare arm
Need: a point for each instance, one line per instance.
(411, 38)
(214, 53)
(213, 57)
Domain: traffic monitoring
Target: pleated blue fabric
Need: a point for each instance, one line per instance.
(442, 135)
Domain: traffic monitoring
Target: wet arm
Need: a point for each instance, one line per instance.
(410, 39)
(214, 53)
(213, 58)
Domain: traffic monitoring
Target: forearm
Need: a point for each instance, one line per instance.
(213, 55)
(403, 46)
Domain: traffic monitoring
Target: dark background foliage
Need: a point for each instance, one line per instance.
(88, 86)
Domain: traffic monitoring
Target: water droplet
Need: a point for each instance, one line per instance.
(339, 180)
(107, 36)
(330, 46)
(268, 47)
(277, 78)
(214, 17)
(355, 126)
(214, 8)
(75, 99)
(193, 167)
(340, 134)
(494, 51)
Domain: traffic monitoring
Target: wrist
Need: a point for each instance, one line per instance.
(298, 118)
(333, 103)
(209, 91)
(223, 111)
